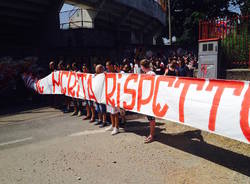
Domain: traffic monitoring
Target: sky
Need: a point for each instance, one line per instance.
(235, 9)
(67, 7)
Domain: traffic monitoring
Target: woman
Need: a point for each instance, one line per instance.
(171, 69)
(145, 67)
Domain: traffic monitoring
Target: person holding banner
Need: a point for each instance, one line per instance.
(89, 104)
(114, 111)
(101, 108)
(145, 67)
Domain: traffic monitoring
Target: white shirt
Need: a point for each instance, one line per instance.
(137, 69)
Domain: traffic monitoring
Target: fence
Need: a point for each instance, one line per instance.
(235, 38)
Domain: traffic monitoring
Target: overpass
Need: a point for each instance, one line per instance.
(33, 27)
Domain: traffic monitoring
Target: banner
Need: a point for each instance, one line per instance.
(217, 106)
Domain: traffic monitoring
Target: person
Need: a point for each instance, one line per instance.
(60, 65)
(114, 112)
(101, 108)
(145, 67)
(137, 68)
(183, 70)
(117, 68)
(171, 69)
(77, 102)
(67, 99)
(52, 66)
(89, 104)
(125, 69)
(159, 70)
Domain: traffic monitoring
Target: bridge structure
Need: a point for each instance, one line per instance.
(32, 27)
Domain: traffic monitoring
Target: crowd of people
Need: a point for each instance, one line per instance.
(175, 66)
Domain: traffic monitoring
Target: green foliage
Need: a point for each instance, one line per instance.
(235, 49)
(186, 15)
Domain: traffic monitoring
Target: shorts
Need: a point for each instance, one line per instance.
(112, 110)
(100, 108)
(90, 103)
(151, 118)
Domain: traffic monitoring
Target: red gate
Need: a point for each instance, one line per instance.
(234, 35)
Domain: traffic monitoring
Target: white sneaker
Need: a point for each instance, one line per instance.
(79, 114)
(115, 131)
(110, 128)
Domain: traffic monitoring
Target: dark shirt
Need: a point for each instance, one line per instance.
(183, 71)
(159, 71)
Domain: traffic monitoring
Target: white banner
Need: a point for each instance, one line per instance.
(217, 106)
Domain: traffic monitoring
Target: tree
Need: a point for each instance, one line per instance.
(186, 16)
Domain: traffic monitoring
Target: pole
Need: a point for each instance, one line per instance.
(169, 23)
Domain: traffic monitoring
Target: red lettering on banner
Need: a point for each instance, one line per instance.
(63, 89)
(244, 115)
(54, 82)
(82, 76)
(141, 101)
(90, 90)
(157, 107)
(187, 82)
(132, 92)
(110, 101)
(118, 91)
(71, 92)
(221, 85)
(39, 88)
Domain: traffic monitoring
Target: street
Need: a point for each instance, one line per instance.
(44, 145)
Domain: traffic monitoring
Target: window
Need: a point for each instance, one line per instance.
(210, 47)
(204, 46)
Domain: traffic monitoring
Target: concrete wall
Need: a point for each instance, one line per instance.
(238, 74)
(149, 7)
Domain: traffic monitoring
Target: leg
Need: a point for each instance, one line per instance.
(79, 104)
(75, 107)
(88, 112)
(116, 124)
(116, 120)
(112, 120)
(92, 108)
(150, 138)
(152, 128)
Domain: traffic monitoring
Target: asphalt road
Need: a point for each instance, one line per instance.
(46, 146)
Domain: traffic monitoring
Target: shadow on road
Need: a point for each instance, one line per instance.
(192, 142)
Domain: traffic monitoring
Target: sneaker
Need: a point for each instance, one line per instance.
(110, 128)
(98, 122)
(79, 114)
(103, 125)
(115, 131)
(74, 113)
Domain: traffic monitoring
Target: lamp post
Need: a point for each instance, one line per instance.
(169, 24)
